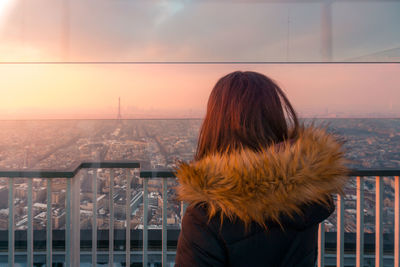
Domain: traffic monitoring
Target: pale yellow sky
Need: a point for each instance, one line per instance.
(31, 91)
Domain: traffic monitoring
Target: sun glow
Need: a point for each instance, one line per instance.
(4, 6)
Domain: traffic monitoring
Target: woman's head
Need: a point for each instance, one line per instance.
(245, 110)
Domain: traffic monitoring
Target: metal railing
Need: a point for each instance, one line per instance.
(72, 224)
(360, 174)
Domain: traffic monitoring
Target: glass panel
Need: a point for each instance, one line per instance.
(366, 31)
(187, 31)
(48, 123)
(58, 115)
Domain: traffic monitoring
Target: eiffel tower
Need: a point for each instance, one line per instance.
(119, 109)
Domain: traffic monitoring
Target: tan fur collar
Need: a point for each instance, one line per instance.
(256, 186)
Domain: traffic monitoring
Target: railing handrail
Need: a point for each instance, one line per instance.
(72, 217)
(166, 173)
(152, 173)
(68, 173)
(374, 172)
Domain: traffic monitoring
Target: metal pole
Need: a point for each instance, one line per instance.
(94, 219)
(164, 222)
(75, 226)
(397, 221)
(378, 223)
(128, 218)
(68, 225)
(340, 232)
(145, 218)
(360, 222)
(11, 219)
(30, 225)
(49, 230)
(321, 244)
(111, 225)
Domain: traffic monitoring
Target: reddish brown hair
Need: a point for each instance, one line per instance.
(245, 110)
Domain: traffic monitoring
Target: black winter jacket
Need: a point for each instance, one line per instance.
(263, 208)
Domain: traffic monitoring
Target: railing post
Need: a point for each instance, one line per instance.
(164, 222)
(75, 218)
(340, 232)
(11, 215)
(396, 221)
(29, 237)
(49, 232)
(321, 244)
(68, 224)
(145, 218)
(111, 225)
(360, 223)
(72, 206)
(128, 218)
(94, 219)
(378, 223)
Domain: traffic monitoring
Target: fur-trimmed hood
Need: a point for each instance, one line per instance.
(265, 185)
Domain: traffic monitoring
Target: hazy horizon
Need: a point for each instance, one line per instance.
(181, 90)
(89, 117)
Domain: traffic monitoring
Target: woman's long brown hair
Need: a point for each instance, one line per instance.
(245, 110)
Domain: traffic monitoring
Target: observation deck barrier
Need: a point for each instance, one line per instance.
(106, 249)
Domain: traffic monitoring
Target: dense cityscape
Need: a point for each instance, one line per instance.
(62, 144)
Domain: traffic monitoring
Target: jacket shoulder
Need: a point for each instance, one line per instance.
(199, 244)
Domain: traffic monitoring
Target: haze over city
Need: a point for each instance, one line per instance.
(181, 91)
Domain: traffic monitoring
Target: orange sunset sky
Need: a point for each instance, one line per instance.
(189, 31)
(92, 91)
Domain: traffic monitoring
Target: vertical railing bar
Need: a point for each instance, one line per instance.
(94, 219)
(111, 226)
(321, 244)
(378, 223)
(68, 225)
(360, 223)
(75, 217)
(29, 237)
(49, 234)
(11, 219)
(164, 222)
(145, 210)
(396, 221)
(340, 232)
(128, 217)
